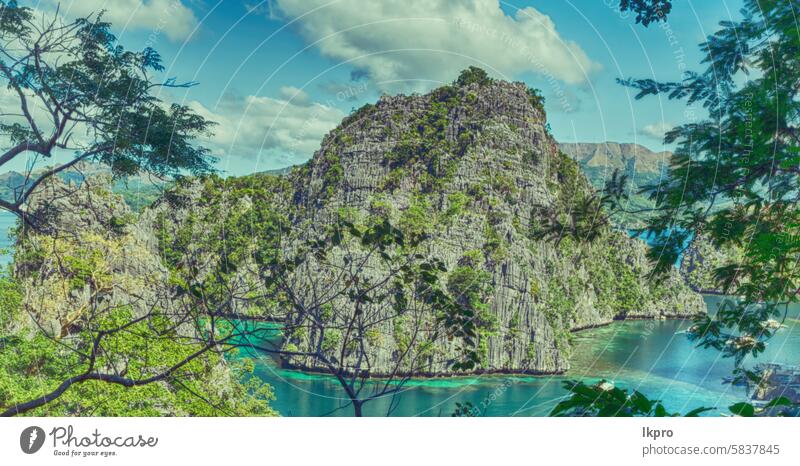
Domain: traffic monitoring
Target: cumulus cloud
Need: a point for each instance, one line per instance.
(277, 131)
(168, 17)
(657, 130)
(432, 40)
(297, 96)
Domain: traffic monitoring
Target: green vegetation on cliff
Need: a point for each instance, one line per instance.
(409, 245)
(469, 175)
(89, 324)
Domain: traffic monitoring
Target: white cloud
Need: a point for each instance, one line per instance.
(277, 131)
(295, 95)
(168, 17)
(657, 130)
(446, 36)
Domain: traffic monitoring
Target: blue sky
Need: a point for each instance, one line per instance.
(278, 74)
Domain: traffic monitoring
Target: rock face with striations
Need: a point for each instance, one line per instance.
(87, 255)
(472, 169)
(469, 167)
(473, 166)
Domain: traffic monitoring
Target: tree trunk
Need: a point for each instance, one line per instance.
(357, 408)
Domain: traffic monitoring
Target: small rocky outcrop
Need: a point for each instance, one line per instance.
(701, 260)
(86, 249)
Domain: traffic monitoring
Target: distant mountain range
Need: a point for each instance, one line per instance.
(632, 158)
(138, 191)
(600, 160)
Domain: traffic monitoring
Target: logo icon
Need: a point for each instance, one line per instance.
(31, 439)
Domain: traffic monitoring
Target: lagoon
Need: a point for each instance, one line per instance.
(654, 357)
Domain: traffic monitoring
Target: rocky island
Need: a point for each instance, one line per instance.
(469, 168)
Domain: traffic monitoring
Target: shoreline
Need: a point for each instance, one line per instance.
(514, 373)
(662, 318)
(434, 375)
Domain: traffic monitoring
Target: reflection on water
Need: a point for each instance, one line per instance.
(654, 357)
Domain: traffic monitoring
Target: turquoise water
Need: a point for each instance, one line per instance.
(651, 356)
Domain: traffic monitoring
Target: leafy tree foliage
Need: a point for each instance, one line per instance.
(580, 213)
(734, 178)
(84, 332)
(647, 11)
(473, 74)
(605, 400)
(746, 154)
(336, 292)
(80, 94)
(32, 363)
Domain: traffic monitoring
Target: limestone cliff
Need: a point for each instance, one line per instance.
(87, 249)
(473, 166)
